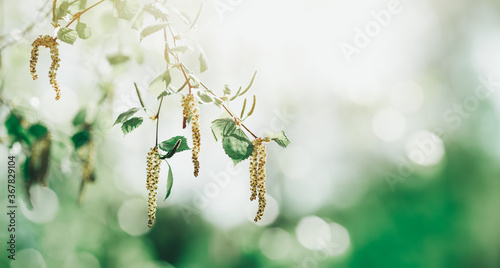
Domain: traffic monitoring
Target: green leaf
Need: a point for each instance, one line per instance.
(170, 181)
(227, 90)
(195, 82)
(156, 10)
(163, 94)
(62, 10)
(38, 131)
(13, 125)
(181, 49)
(138, 20)
(131, 124)
(195, 19)
(67, 35)
(80, 138)
(222, 128)
(217, 102)
(84, 31)
(83, 4)
(152, 29)
(117, 58)
(280, 138)
(127, 9)
(168, 145)
(203, 61)
(160, 84)
(237, 146)
(15, 129)
(125, 115)
(206, 98)
(80, 117)
(181, 15)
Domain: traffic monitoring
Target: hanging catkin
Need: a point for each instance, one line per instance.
(153, 174)
(190, 109)
(258, 176)
(49, 42)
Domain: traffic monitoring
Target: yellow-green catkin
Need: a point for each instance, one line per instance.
(258, 176)
(191, 109)
(153, 174)
(51, 43)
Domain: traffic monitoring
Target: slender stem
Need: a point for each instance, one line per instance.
(158, 120)
(78, 14)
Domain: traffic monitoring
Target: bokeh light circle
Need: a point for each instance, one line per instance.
(389, 124)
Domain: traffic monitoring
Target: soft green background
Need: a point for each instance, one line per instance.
(332, 198)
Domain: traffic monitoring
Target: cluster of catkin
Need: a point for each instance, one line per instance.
(153, 174)
(258, 176)
(190, 109)
(51, 43)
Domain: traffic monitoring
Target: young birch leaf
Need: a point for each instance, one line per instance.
(195, 19)
(131, 124)
(14, 128)
(205, 97)
(227, 90)
(80, 138)
(169, 144)
(237, 146)
(62, 10)
(170, 181)
(203, 61)
(163, 94)
(117, 58)
(138, 20)
(217, 102)
(80, 117)
(156, 10)
(181, 15)
(152, 29)
(38, 131)
(127, 9)
(181, 49)
(82, 5)
(84, 31)
(125, 115)
(160, 84)
(67, 35)
(280, 138)
(222, 128)
(195, 82)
